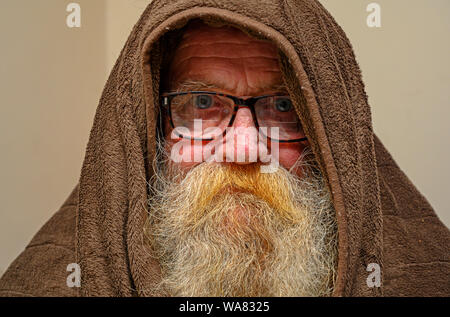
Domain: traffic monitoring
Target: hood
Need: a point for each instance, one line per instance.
(324, 81)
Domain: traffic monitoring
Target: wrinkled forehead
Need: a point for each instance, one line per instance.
(223, 48)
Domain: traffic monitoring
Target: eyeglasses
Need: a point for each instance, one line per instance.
(217, 110)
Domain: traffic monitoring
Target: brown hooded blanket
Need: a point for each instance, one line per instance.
(382, 218)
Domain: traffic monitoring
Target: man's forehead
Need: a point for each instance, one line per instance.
(199, 33)
(197, 29)
(224, 56)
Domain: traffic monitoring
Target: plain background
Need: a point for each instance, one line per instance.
(52, 78)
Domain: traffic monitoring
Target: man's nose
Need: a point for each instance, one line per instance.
(242, 140)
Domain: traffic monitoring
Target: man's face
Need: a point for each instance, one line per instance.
(226, 60)
(226, 229)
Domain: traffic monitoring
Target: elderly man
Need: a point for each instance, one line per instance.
(229, 228)
(232, 154)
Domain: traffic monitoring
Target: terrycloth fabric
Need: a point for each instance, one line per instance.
(382, 218)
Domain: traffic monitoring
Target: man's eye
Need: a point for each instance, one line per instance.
(283, 104)
(203, 101)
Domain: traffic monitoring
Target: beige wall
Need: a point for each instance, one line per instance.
(121, 16)
(50, 84)
(44, 132)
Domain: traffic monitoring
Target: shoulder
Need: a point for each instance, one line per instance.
(416, 261)
(41, 269)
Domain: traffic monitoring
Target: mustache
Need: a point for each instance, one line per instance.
(209, 181)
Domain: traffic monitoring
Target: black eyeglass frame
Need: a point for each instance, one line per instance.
(166, 101)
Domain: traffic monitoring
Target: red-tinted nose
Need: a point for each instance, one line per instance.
(241, 144)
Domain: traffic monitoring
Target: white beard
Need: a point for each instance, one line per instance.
(238, 243)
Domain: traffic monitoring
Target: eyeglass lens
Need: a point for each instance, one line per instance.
(216, 112)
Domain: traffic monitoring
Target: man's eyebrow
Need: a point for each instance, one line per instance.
(193, 85)
(277, 88)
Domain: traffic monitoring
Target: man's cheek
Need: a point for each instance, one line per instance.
(289, 154)
(189, 153)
